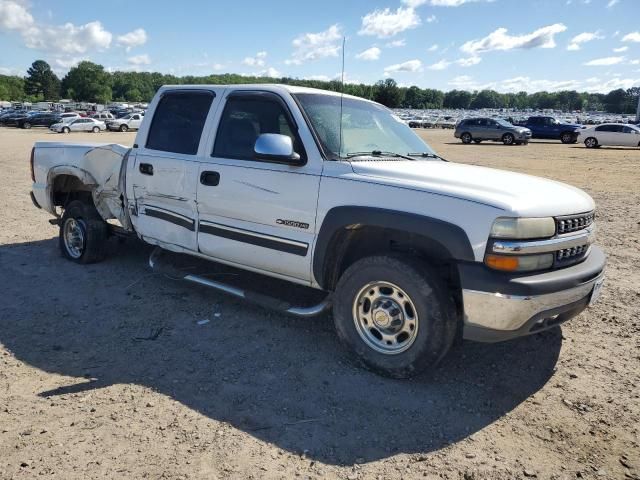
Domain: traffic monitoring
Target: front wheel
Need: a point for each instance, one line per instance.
(466, 137)
(123, 128)
(591, 142)
(95, 129)
(83, 233)
(394, 314)
(26, 125)
(508, 139)
(66, 130)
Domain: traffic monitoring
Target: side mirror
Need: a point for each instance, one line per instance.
(274, 147)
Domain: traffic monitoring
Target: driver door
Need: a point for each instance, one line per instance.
(257, 213)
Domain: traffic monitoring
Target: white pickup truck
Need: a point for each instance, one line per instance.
(337, 194)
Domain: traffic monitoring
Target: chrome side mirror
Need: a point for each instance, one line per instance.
(274, 147)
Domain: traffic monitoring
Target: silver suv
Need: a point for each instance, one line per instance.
(495, 129)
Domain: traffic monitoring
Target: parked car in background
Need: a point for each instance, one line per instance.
(68, 115)
(623, 135)
(551, 128)
(12, 118)
(494, 129)
(39, 119)
(103, 116)
(79, 125)
(128, 122)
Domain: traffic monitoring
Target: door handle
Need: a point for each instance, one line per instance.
(146, 169)
(210, 178)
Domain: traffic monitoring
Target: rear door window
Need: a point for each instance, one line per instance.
(178, 121)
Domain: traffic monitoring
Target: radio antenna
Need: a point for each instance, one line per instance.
(344, 40)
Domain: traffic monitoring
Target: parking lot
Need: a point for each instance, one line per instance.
(109, 371)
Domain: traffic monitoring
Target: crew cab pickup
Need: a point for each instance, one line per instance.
(551, 128)
(339, 195)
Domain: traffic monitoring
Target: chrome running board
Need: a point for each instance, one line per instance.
(155, 262)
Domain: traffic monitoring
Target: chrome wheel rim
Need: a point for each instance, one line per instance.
(508, 139)
(590, 142)
(385, 318)
(73, 234)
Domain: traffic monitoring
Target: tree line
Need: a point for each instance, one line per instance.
(90, 82)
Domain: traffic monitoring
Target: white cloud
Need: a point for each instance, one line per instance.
(67, 39)
(621, 49)
(431, 19)
(386, 23)
(313, 46)
(269, 72)
(218, 66)
(258, 61)
(632, 37)
(501, 40)
(408, 66)
(397, 43)
(11, 71)
(67, 63)
(612, 3)
(372, 53)
(468, 62)
(583, 37)
(138, 60)
(441, 65)
(433, 48)
(604, 62)
(132, 39)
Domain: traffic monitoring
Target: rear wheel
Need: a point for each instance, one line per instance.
(83, 233)
(566, 137)
(26, 125)
(95, 129)
(508, 139)
(394, 314)
(65, 130)
(591, 142)
(123, 128)
(466, 137)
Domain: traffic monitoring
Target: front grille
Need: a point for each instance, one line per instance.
(573, 223)
(569, 254)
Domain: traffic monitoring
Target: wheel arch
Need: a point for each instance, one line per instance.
(68, 183)
(352, 232)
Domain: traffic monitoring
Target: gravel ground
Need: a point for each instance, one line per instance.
(107, 371)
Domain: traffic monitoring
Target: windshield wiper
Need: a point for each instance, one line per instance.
(427, 155)
(377, 153)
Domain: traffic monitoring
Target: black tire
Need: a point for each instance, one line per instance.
(477, 140)
(508, 139)
(466, 138)
(26, 125)
(94, 233)
(434, 315)
(124, 128)
(66, 130)
(591, 142)
(95, 129)
(567, 137)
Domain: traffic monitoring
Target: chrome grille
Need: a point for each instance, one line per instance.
(573, 223)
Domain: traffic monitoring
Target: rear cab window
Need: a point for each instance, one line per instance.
(179, 120)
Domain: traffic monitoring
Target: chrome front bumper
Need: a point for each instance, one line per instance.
(490, 316)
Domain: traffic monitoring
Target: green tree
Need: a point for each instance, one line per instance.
(388, 93)
(88, 82)
(457, 99)
(41, 82)
(487, 99)
(11, 87)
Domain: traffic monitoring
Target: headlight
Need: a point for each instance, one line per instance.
(519, 263)
(523, 228)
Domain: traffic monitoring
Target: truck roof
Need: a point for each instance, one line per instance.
(274, 87)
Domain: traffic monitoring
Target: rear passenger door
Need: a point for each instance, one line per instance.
(252, 212)
(162, 179)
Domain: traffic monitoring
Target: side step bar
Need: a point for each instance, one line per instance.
(253, 297)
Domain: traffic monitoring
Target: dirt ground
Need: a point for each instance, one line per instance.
(107, 371)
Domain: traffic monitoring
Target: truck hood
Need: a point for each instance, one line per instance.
(515, 193)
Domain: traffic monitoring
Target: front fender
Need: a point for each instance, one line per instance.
(452, 238)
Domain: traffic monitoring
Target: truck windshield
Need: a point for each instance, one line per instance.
(366, 127)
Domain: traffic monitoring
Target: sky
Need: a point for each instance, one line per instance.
(506, 45)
